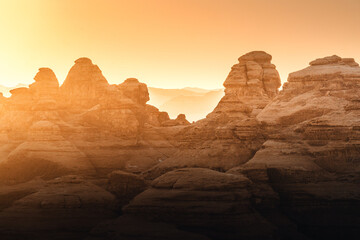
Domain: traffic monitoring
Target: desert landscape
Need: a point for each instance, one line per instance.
(93, 160)
(179, 120)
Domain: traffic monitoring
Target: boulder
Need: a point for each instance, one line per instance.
(125, 186)
(136, 91)
(230, 135)
(45, 154)
(215, 204)
(179, 121)
(45, 85)
(63, 208)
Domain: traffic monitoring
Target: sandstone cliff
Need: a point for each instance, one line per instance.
(92, 160)
(231, 134)
(85, 126)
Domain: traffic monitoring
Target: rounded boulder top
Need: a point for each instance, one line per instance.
(334, 59)
(257, 56)
(131, 80)
(45, 74)
(84, 60)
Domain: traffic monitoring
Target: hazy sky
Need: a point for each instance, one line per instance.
(171, 43)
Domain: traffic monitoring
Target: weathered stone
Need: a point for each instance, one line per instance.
(125, 185)
(84, 85)
(135, 90)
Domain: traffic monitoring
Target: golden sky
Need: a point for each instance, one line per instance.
(171, 43)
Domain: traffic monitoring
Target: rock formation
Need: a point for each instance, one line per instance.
(318, 109)
(229, 135)
(84, 85)
(135, 90)
(263, 165)
(180, 120)
(45, 85)
(249, 87)
(196, 198)
(304, 165)
(125, 185)
(59, 127)
(312, 148)
(70, 202)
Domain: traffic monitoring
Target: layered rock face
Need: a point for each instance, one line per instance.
(202, 199)
(312, 148)
(249, 87)
(85, 126)
(125, 185)
(84, 85)
(302, 175)
(63, 208)
(135, 90)
(319, 108)
(46, 84)
(263, 165)
(230, 135)
(88, 128)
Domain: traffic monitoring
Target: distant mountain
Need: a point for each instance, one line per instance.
(158, 96)
(195, 103)
(198, 90)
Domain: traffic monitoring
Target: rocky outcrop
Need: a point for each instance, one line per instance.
(46, 84)
(216, 204)
(249, 87)
(84, 85)
(125, 185)
(155, 117)
(304, 146)
(45, 154)
(180, 120)
(312, 148)
(135, 90)
(263, 165)
(230, 135)
(319, 108)
(64, 208)
(86, 126)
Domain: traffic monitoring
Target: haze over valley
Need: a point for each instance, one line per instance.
(173, 120)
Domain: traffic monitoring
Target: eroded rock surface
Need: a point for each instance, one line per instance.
(125, 185)
(312, 148)
(197, 198)
(231, 134)
(86, 126)
(63, 208)
(263, 165)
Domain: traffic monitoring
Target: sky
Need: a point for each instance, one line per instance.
(171, 43)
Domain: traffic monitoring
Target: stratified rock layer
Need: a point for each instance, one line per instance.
(312, 148)
(85, 126)
(262, 165)
(249, 87)
(197, 198)
(230, 135)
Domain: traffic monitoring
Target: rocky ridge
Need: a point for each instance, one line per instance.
(263, 165)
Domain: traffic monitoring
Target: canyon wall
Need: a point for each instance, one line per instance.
(264, 164)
